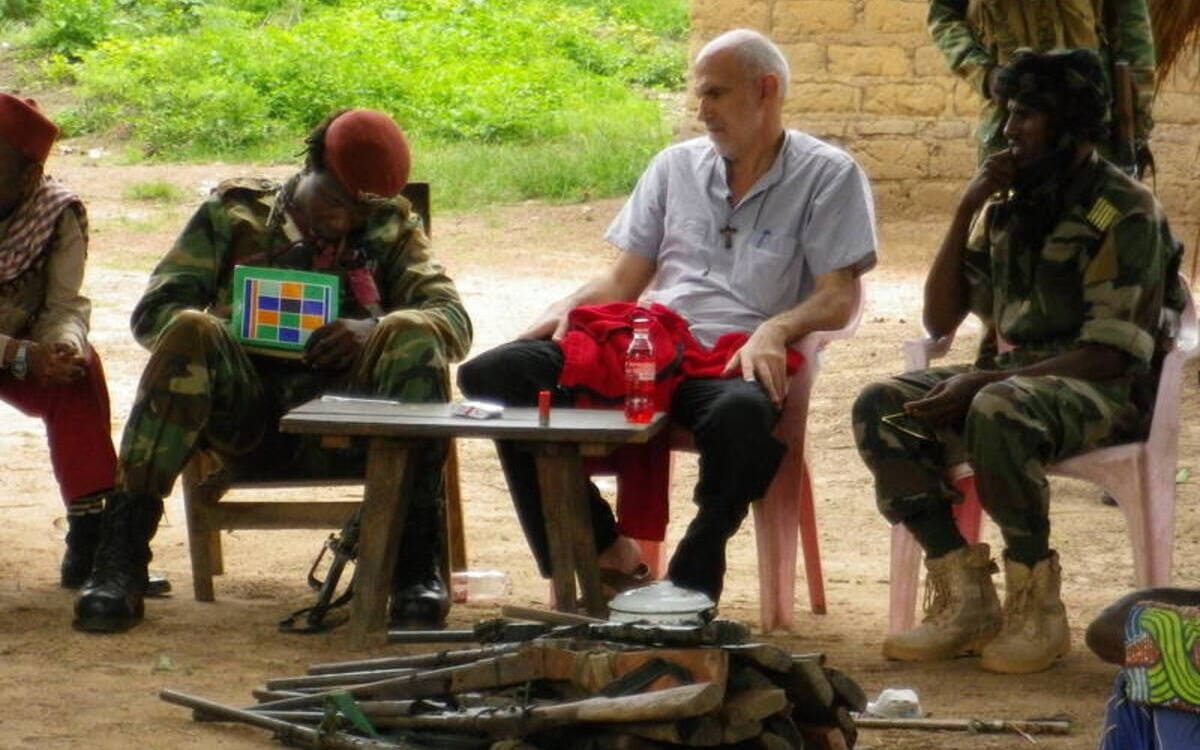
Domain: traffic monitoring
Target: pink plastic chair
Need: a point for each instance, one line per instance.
(1140, 476)
(787, 509)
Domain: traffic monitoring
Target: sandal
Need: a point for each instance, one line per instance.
(613, 582)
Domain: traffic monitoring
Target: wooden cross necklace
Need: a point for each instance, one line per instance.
(729, 229)
(727, 232)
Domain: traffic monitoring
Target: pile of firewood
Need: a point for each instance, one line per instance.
(592, 686)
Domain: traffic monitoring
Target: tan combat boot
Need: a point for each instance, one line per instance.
(1035, 622)
(962, 611)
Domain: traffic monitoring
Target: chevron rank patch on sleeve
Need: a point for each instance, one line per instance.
(1102, 214)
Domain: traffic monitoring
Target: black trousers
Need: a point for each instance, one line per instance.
(731, 421)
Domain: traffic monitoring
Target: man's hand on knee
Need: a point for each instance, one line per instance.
(763, 358)
(335, 346)
(551, 324)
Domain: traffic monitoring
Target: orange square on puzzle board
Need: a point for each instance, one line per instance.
(266, 318)
(291, 291)
(311, 322)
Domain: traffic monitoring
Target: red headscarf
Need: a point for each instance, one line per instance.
(368, 154)
(25, 128)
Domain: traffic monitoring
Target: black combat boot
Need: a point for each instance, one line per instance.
(83, 535)
(420, 600)
(111, 600)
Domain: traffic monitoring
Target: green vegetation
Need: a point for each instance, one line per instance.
(17, 10)
(159, 191)
(503, 99)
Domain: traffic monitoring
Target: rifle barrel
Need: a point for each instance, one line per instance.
(437, 659)
(1123, 95)
(288, 732)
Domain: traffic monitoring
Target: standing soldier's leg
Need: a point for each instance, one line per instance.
(909, 462)
(1014, 429)
(198, 382)
(407, 362)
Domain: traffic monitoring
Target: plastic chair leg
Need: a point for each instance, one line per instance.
(968, 514)
(906, 554)
(904, 577)
(784, 515)
(767, 520)
(812, 550)
(1149, 509)
(1158, 496)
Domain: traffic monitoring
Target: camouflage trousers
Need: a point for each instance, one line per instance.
(1013, 429)
(201, 389)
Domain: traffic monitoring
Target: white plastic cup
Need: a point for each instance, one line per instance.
(896, 703)
(479, 586)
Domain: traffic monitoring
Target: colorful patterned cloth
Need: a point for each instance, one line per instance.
(1162, 656)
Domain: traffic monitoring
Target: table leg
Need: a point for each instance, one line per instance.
(569, 527)
(385, 508)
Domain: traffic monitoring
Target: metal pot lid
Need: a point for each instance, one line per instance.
(661, 598)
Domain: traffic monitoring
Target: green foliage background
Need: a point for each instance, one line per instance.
(503, 99)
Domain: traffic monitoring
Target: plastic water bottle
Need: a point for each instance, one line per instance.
(639, 374)
(479, 586)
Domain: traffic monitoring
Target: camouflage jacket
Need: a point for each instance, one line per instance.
(242, 223)
(976, 35)
(1100, 276)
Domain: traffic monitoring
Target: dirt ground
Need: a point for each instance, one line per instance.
(61, 687)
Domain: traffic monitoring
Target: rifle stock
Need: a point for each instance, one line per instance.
(1125, 142)
(342, 548)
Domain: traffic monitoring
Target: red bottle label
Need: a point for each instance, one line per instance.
(639, 390)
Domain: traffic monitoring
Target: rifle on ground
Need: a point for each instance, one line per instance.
(342, 548)
(1125, 141)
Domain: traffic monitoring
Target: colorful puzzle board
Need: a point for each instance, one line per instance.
(278, 309)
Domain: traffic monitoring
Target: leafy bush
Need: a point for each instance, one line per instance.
(667, 18)
(475, 70)
(600, 156)
(70, 26)
(247, 78)
(17, 10)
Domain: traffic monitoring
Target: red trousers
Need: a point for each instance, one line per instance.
(77, 428)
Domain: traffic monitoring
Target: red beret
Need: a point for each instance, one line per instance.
(25, 128)
(367, 152)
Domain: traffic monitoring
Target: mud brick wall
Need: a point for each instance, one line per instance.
(865, 75)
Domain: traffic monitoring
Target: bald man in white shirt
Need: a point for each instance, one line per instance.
(752, 228)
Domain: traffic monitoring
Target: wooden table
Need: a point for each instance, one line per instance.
(558, 448)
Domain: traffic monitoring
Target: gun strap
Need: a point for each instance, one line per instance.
(310, 620)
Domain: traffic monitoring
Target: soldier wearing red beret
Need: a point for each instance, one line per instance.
(47, 367)
(401, 324)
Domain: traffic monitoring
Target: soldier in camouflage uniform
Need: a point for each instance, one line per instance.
(978, 37)
(403, 325)
(1068, 261)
